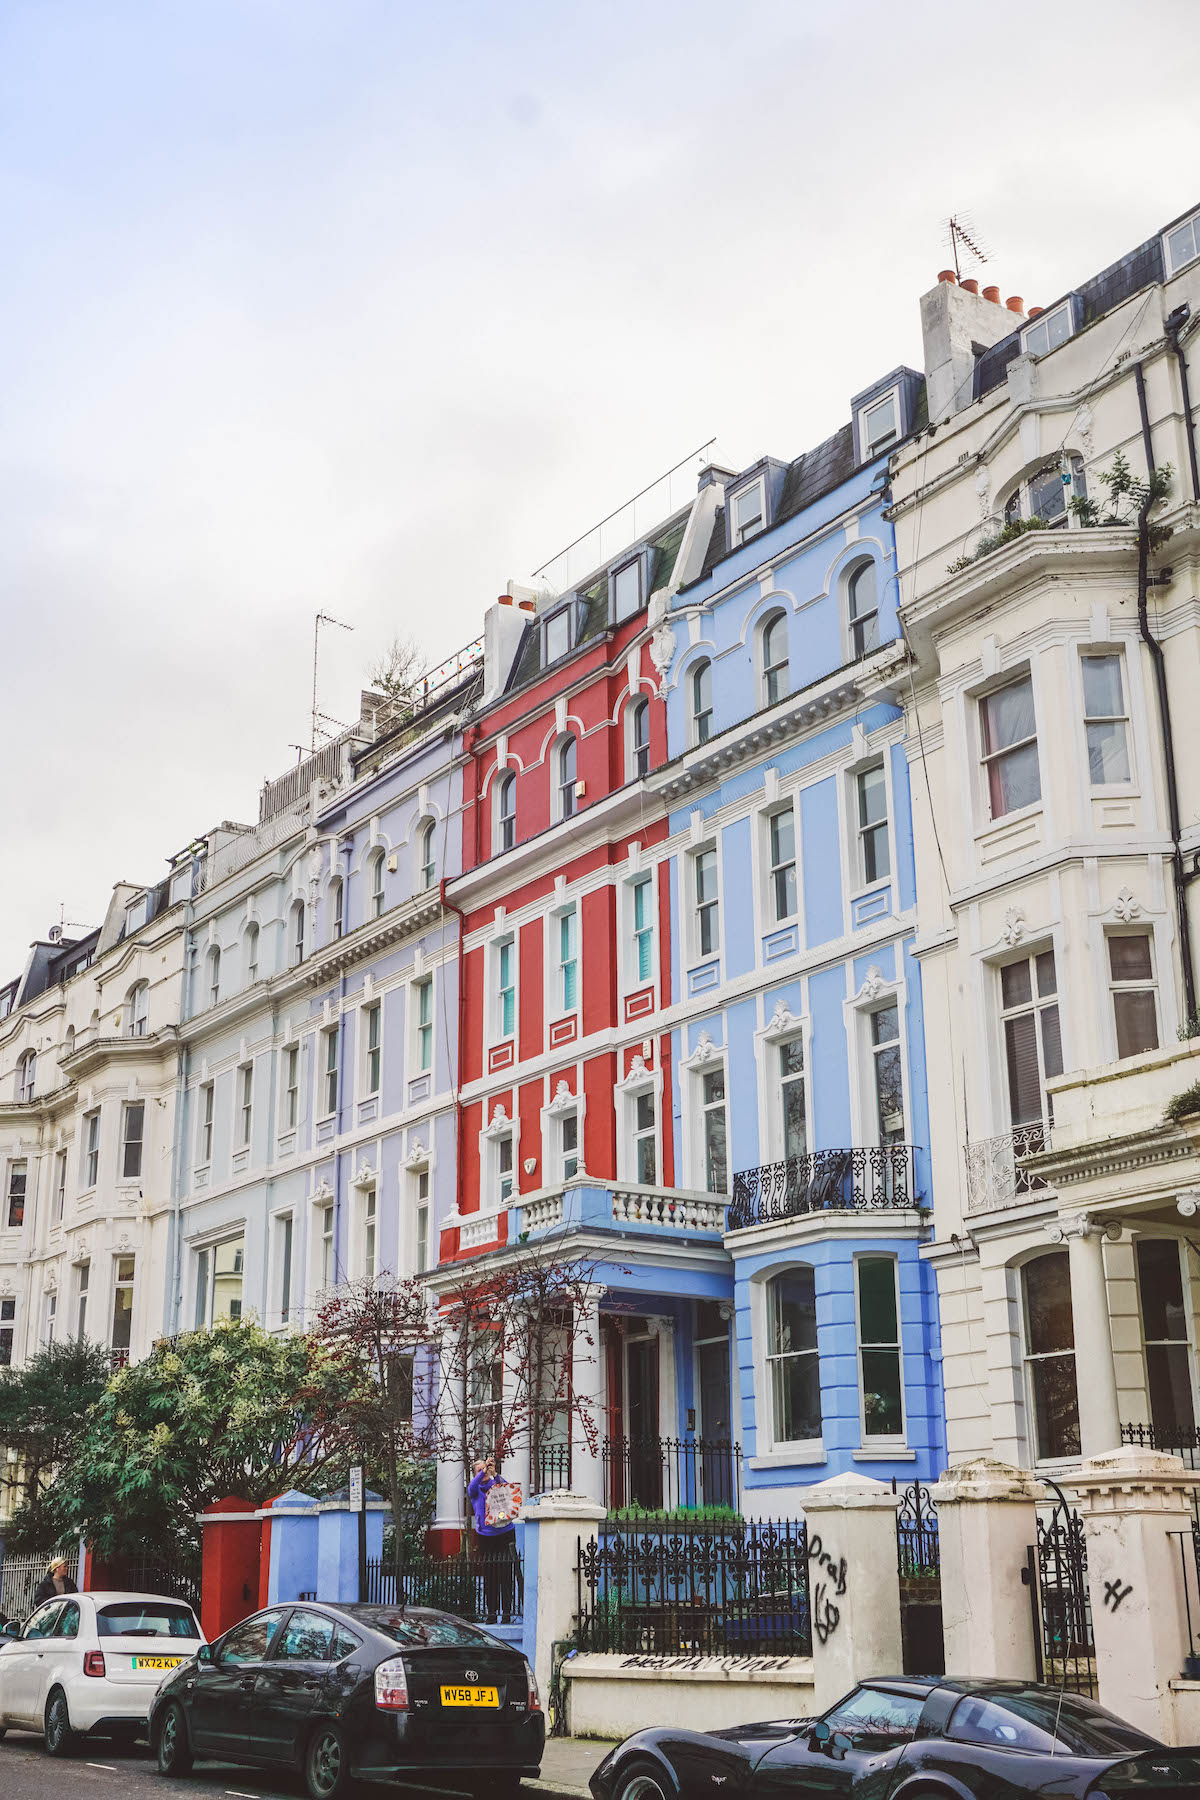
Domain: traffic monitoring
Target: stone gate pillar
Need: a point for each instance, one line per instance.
(555, 1526)
(853, 1584)
(987, 1518)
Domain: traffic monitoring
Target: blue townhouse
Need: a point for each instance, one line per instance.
(797, 1058)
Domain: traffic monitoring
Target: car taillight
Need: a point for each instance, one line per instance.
(391, 1686)
(535, 1701)
(93, 1662)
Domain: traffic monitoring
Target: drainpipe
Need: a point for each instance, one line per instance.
(448, 905)
(1180, 877)
(1173, 328)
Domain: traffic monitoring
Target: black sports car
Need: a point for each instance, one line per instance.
(346, 1692)
(934, 1738)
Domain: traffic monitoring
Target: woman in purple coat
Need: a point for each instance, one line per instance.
(494, 1548)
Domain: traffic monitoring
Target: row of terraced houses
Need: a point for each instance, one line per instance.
(791, 915)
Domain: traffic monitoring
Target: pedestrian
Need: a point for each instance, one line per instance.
(54, 1581)
(494, 1503)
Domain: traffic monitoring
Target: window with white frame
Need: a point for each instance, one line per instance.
(60, 1186)
(1048, 493)
(707, 907)
(793, 1098)
(1134, 991)
(1163, 1289)
(91, 1149)
(567, 950)
(283, 1232)
(879, 1357)
(700, 682)
(1182, 244)
(250, 942)
(83, 1275)
(212, 974)
(862, 602)
(749, 512)
(564, 767)
(8, 1314)
(871, 809)
(641, 899)
(793, 1368)
(781, 846)
(645, 1138)
(337, 907)
(421, 1223)
(423, 1012)
(639, 740)
(375, 895)
(49, 1316)
(138, 1009)
(506, 811)
(427, 853)
(373, 1045)
(1032, 1037)
(505, 964)
(1048, 331)
(1008, 732)
(1105, 719)
(879, 424)
(329, 1071)
(122, 1316)
(370, 1222)
(135, 914)
(220, 1277)
(296, 935)
(714, 1130)
(27, 1076)
(568, 1144)
(18, 1182)
(245, 1081)
(503, 1163)
(326, 1258)
(627, 590)
(1050, 1356)
(206, 1101)
(887, 1074)
(133, 1126)
(557, 635)
(774, 648)
(291, 1086)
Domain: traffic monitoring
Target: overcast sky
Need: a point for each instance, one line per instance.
(372, 306)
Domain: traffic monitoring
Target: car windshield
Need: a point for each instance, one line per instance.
(1031, 1719)
(876, 1716)
(146, 1618)
(415, 1628)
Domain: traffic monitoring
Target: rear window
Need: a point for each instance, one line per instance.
(146, 1618)
(415, 1630)
(1040, 1722)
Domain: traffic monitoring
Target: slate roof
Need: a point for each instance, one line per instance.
(812, 475)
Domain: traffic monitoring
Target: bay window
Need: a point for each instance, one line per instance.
(1032, 1040)
(1106, 720)
(1050, 1355)
(1010, 750)
(1134, 992)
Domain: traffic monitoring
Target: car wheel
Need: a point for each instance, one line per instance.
(174, 1751)
(641, 1784)
(60, 1739)
(327, 1765)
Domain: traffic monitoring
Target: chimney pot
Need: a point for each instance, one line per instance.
(969, 287)
(947, 275)
(1035, 310)
(526, 606)
(992, 294)
(504, 600)
(1015, 303)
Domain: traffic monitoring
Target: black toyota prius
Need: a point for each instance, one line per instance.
(348, 1693)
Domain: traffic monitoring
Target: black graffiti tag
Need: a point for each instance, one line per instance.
(1114, 1593)
(817, 1553)
(826, 1616)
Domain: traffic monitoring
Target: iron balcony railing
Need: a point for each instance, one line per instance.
(995, 1177)
(1183, 1441)
(880, 1175)
(672, 1475)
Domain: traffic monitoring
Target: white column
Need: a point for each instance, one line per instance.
(589, 1379)
(1095, 1375)
(987, 1518)
(1133, 1503)
(514, 1381)
(853, 1585)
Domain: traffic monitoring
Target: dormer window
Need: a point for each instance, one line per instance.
(1183, 244)
(879, 424)
(1048, 331)
(135, 914)
(748, 513)
(557, 638)
(627, 590)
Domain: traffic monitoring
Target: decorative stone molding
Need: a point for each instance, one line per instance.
(873, 985)
(661, 1325)
(1127, 906)
(364, 1177)
(564, 1101)
(662, 649)
(983, 492)
(418, 1157)
(1187, 1205)
(1082, 1225)
(705, 1052)
(322, 1192)
(1014, 926)
(782, 1024)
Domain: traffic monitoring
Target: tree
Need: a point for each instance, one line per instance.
(43, 1406)
(396, 679)
(207, 1414)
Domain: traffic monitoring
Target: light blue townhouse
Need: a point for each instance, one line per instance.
(317, 1136)
(797, 1055)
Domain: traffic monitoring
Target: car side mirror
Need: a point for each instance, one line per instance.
(11, 1629)
(820, 1736)
(204, 1654)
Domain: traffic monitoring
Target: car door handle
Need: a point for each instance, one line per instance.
(247, 1683)
(310, 1684)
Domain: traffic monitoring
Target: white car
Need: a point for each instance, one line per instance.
(91, 1662)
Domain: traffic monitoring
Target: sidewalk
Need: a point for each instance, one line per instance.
(566, 1765)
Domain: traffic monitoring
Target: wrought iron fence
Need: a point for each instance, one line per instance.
(736, 1589)
(919, 1568)
(484, 1586)
(879, 1175)
(175, 1578)
(1179, 1441)
(1056, 1573)
(20, 1577)
(995, 1177)
(662, 1475)
(552, 1467)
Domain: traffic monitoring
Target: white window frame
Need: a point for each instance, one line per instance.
(1104, 653)
(328, 1072)
(291, 1086)
(698, 906)
(885, 1444)
(297, 934)
(1173, 267)
(372, 1053)
(699, 718)
(561, 1008)
(366, 1234)
(783, 1027)
(638, 708)
(632, 567)
(135, 914)
(739, 532)
(27, 1077)
(774, 918)
(985, 757)
(1150, 985)
(205, 1110)
(423, 1046)
(15, 1163)
(120, 1283)
(212, 975)
(632, 935)
(868, 616)
(128, 1108)
(698, 1135)
(498, 987)
(324, 1241)
(640, 1083)
(376, 898)
(421, 1176)
(49, 1315)
(337, 908)
(205, 1262)
(426, 855)
(1036, 1004)
(768, 1446)
(1029, 1357)
(60, 1185)
(499, 1130)
(1036, 337)
(90, 1167)
(252, 942)
(562, 1109)
(283, 1267)
(83, 1276)
(561, 614)
(245, 1081)
(138, 1009)
(870, 448)
(564, 795)
(1019, 504)
(861, 883)
(769, 673)
(505, 832)
(1187, 1341)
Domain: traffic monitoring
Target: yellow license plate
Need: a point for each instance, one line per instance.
(156, 1662)
(470, 1696)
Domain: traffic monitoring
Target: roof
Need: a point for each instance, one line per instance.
(814, 474)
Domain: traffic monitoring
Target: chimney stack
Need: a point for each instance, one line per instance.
(957, 322)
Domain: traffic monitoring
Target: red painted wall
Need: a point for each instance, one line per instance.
(229, 1583)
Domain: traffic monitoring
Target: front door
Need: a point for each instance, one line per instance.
(645, 1454)
(716, 1425)
(222, 1698)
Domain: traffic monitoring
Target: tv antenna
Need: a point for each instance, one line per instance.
(319, 719)
(961, 228)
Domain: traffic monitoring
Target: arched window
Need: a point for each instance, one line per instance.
(375, 884)
(426, 861)
(1050, 1355)
(337, 907)
(296, 934)
(137, 1009)
(27, 1075)
(212, 975)
(793, 1370)
(701, 679)
(775, 659)
(566, 777)
(506, 811)
(250, 958)
(639, 740)
(863, 601)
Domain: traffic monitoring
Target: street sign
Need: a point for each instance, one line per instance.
(356, 1488)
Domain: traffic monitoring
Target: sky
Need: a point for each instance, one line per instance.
(371, 307)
